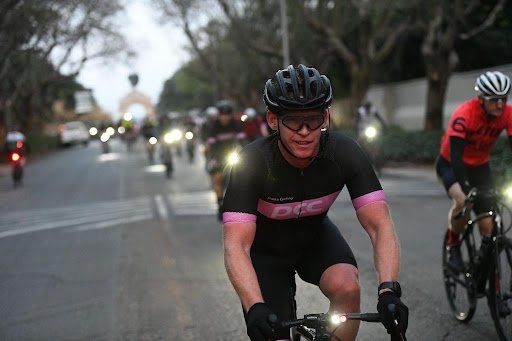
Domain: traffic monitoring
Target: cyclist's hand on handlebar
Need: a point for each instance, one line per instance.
(259, 326)
(401, 313)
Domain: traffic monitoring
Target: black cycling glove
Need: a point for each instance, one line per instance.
(401, 313)
(259, 327)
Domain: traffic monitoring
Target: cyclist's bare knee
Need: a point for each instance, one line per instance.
(341, 285)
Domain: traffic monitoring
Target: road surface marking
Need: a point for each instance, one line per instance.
(161, 208)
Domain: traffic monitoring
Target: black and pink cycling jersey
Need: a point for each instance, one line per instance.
(264, 188)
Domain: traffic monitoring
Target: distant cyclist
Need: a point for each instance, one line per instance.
(367, 116)
(465, 151)
(223, 134)
(254, 125)
(16, 141)
(275, 212)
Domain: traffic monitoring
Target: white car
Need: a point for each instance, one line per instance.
(73, 133)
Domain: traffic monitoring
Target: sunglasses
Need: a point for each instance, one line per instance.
(496, 99)
(296, 122)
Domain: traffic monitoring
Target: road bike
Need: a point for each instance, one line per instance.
(486, 271)
(322, 326)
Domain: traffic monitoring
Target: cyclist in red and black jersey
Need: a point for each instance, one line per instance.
(275, 212)
(466, 146)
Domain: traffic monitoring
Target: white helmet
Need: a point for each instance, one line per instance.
(212, 112)
(493, 84)
(250, 112)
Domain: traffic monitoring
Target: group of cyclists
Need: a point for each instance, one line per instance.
(274, 209)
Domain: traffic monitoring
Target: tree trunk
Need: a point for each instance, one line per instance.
(360, 75)
(438, 73)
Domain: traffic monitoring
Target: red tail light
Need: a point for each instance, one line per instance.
(15, 156)
(19, 144)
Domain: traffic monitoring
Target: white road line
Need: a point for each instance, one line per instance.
(53, 225)
(161, 208)
(83, 213)
(114, 222)
(108, 205)
(82, 219)
(193, 203)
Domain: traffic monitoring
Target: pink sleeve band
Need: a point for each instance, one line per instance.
(367, 199)
(237, 217)
(211, 140)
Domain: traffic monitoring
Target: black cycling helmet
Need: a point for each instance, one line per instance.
(493, 83)
(225, 107)
(297, 88)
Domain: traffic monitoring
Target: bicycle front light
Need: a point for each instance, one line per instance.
(370, 132)
(337, 319)
(104, 137)
(508, 192)
(232, 158)
(153, 140)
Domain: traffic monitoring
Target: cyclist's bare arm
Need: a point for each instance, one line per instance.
(238, 239)
(376, 220)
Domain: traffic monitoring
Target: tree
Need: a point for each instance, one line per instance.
(445, 22)
(184, 91)
(361, 33)
(43, 43)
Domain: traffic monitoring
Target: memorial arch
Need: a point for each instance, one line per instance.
(136, 97)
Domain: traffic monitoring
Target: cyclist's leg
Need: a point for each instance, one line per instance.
(330, 264)
(480, 177)
(276, 278)
(217, 184)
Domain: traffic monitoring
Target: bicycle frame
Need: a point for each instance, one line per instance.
(478, 268)
(482, 266)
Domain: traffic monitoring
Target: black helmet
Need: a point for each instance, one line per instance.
(297, 88)
(225, 107)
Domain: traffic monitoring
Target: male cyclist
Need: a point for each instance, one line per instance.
(275, 212)
(465, 150)
(223, 134)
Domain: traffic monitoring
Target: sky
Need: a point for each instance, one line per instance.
(160, 50)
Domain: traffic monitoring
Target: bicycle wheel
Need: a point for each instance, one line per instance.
(500, 292)
(457, 285)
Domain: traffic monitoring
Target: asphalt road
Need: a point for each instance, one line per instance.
(102, 247)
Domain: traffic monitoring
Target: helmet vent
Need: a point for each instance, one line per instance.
(289, 90)
(313, 88)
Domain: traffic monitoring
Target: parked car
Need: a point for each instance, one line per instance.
(73, 133)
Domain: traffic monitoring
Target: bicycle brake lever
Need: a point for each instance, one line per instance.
(392, 311)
